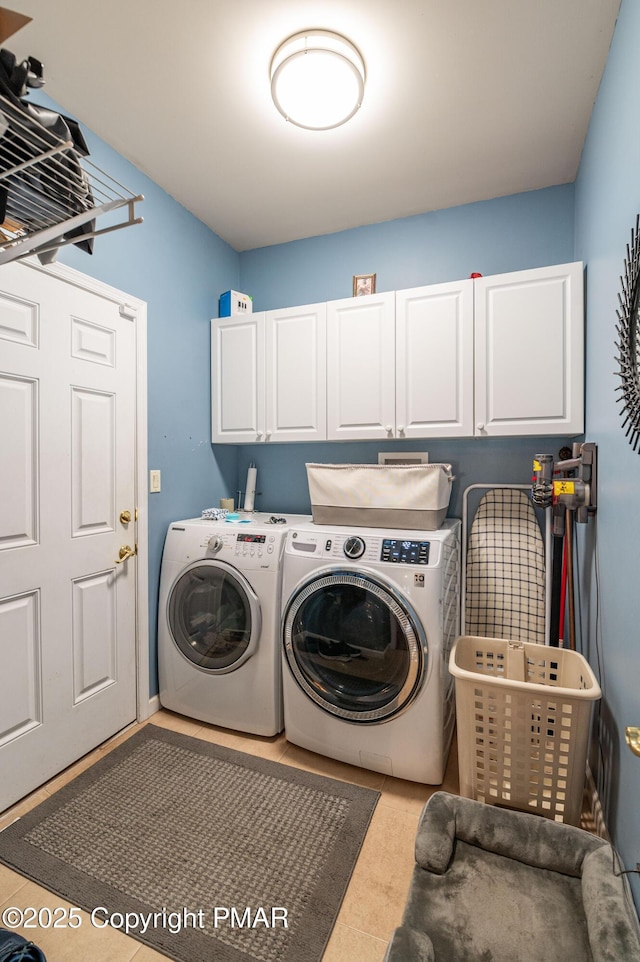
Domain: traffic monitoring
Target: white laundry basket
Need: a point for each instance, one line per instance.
(523, 713)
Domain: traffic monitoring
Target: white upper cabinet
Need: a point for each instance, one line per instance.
(268, 376)
(361, 367)
(401, 365)
(434, 361)
(296, 383)
(490, 357)
(529, 331)
(237, 378)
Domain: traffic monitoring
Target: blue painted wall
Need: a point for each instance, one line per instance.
(282, 476)
(508, 234)
(179, 267)
(511, 233)
(607, 203)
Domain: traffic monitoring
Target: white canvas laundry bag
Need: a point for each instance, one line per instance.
(380, 495)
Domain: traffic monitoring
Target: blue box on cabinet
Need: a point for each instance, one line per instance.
(232, 303)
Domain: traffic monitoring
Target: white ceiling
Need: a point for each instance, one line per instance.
(465, 100)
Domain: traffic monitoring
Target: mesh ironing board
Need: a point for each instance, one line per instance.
(505, 569)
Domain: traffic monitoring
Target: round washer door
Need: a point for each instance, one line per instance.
(214, 616)
(354, 645)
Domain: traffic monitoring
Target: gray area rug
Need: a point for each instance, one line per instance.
(218, 856)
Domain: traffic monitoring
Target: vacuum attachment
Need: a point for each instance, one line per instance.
(567, 484)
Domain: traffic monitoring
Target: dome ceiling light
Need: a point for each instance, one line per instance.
(317, 79)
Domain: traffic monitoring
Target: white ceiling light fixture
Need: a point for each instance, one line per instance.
(317, 79)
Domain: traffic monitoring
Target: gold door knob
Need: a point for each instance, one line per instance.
(125, 517)
(124, 553)
(632, 736)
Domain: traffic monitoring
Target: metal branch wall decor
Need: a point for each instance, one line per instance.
(628, 343)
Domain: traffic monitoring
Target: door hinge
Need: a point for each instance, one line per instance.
(128, 312)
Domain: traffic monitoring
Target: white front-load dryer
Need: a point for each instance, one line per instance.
(218, 621)
(369, 616)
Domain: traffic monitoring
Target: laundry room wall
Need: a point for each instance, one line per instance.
(607, 204)
(179, 267)
(512, 233)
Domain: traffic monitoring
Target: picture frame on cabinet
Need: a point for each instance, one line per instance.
(364, 284)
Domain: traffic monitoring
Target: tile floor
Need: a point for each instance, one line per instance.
(374, 900)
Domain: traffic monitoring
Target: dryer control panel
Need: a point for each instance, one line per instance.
(359, 548)
(405, 552)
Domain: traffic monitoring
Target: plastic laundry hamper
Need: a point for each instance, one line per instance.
(523, 713)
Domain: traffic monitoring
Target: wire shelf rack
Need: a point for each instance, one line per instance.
(49, 197)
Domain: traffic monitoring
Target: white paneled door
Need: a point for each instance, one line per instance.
(67, 479)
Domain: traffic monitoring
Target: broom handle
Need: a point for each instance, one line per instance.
(572, 609)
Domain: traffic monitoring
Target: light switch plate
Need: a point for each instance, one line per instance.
(154, 481)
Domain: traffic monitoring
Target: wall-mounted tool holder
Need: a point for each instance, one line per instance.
(567, 486)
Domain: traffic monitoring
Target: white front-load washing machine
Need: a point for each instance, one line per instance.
(369, 616)
(219, 618)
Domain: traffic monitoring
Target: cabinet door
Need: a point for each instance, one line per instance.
(434, 361)
(530, 352)
(296, 374)
(361, 367)
(237, 378)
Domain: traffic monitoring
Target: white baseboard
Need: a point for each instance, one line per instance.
(152, 708)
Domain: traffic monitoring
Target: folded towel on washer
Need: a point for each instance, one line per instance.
(215, 514)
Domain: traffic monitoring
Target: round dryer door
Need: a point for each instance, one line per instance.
(354, 646)
(214, 616)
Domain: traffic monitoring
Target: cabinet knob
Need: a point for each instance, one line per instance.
(480, 426)
(389, 429)
(401, 429)
(259, 436)
(267, 436)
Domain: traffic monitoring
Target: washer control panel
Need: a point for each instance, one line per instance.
(257, 547)
(246, 549)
